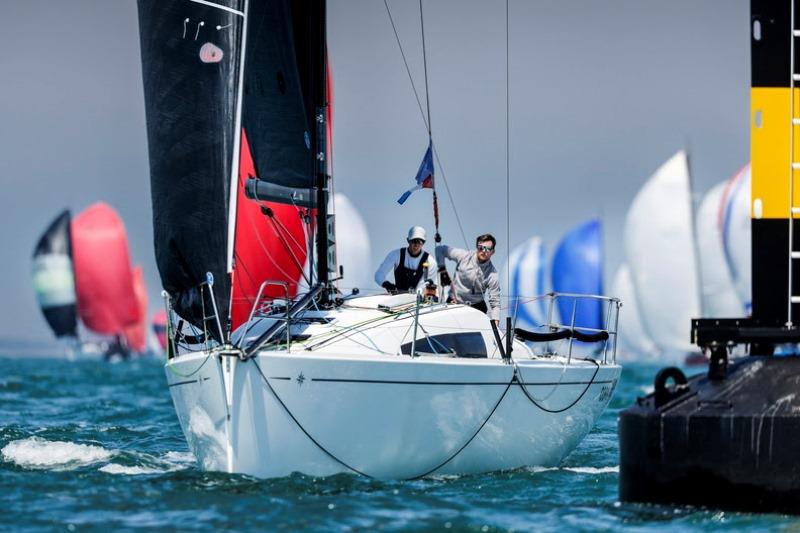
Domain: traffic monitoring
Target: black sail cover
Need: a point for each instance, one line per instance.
(192, 55)
(54, 279)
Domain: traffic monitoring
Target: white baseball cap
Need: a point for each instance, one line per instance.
(416, 232)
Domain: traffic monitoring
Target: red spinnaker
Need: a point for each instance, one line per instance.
(103, 282)
(160, 327)
(136, 333)
(265, 248)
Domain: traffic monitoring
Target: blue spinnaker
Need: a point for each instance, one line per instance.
(527, 284)
(578, 268)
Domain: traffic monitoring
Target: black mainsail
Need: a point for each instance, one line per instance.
(222, 76)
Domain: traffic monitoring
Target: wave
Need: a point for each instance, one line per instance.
(113, 468)
(180, 458)
(593, 469)
(36, 452)
(575, 469)
(169, 462)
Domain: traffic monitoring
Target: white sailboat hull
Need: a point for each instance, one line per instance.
(384, 417)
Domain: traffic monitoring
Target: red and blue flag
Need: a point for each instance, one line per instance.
(424, 175)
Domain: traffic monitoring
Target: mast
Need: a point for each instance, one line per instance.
(325, 253)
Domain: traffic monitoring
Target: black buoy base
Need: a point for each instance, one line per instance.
(729, 442)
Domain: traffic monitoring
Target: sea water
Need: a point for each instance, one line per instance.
(91, 446)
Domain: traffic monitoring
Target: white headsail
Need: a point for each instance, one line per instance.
(660, 251)
(634, 343)
(736, 234)
(352, 244)
(720, 298)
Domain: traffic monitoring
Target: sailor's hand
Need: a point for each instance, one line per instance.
(390, 287)
(444, 277)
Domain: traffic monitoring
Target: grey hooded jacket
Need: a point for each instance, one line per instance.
(472, 278)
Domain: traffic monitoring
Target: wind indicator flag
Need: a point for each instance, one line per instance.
(424, 175)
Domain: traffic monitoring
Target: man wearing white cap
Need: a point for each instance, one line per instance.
(412, 266)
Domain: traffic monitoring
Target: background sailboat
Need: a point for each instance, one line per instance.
(736, 234)
(661, 254)
(666, 249)
(720, 298)
(526, 269)
(634, 341)
(82, 275)
(578, 269)
(159, 325)
(137, 333)
(107, 303)
(53, 277)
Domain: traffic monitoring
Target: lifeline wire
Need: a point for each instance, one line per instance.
(523, 387)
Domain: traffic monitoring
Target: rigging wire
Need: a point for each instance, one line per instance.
(430, 135)
(425, 122)
(425, 70)
(508, 167)
(282, 239)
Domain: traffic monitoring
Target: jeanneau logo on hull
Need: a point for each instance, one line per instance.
(606, 392)
(300, 379)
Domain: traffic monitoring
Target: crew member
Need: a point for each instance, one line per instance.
(475, 276)
(412, 266)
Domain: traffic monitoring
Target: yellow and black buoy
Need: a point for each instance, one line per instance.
(728, 438)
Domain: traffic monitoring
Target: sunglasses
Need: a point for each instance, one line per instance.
(482, 248)
(416, 241)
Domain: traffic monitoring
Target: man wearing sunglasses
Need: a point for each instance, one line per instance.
(412, 266)
(475, 276)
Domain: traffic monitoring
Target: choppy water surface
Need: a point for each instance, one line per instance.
(95, 446)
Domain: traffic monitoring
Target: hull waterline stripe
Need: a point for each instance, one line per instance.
(196, 381)
(170, 366)
(495, 383)
(217, 6)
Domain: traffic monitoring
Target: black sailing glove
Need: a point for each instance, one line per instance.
(444, 277)
(389, 286)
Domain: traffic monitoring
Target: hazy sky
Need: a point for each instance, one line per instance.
(601, 93)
